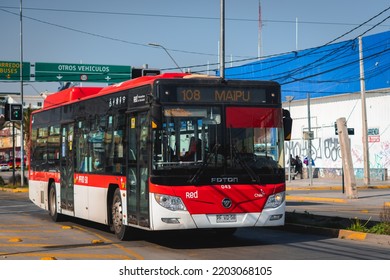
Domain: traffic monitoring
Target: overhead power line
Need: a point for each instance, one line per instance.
(283, 61)
(179, 16)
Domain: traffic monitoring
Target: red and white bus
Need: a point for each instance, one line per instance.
(166, 152)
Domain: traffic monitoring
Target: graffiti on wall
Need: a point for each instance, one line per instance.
(326, 153)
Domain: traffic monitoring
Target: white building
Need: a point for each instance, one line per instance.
(326, 152)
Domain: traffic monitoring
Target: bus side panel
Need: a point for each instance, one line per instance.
(97, 206)
(81, 208)
(90, 195)
(38, 193)
(90, 203)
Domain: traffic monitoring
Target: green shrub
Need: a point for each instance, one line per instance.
(379, 228)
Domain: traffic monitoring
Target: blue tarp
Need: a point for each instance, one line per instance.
(324, 71)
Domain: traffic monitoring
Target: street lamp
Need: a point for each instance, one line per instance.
(158, 45)
(43, 94)
(34, 88)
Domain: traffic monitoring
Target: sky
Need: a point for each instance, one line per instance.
(117, 32)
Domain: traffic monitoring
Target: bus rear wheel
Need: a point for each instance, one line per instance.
(121, 231)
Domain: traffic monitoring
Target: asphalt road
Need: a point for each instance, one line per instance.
(27, 233)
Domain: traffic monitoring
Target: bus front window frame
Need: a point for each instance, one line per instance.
(250, 146)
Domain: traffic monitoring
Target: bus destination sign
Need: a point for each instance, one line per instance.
(221, 95)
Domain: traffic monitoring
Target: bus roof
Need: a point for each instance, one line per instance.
(69, 94)
(77, 93)
(144, 80)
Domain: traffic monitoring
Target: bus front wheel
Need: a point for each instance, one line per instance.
(120, 230)
(55, 216)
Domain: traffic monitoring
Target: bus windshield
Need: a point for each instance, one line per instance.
(198, 142)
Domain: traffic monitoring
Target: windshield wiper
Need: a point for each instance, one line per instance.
(205, 163)
(254, 177)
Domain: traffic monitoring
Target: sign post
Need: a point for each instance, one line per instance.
(66, 72)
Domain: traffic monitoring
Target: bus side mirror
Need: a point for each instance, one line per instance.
(287, 125)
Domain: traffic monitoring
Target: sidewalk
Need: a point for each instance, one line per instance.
(326, 197)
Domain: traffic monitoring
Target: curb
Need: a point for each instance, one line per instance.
(308, 198)
(340, 233)
(362, 236)
(333, 188)
(16, 190)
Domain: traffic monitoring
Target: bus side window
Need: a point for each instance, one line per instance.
(113, 141)
(82, 160)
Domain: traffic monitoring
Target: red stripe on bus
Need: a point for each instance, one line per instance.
(83, 179)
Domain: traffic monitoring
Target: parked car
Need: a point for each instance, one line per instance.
(4, 167)
(17, 163)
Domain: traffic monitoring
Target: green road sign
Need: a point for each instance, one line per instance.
(10, 71)
(66, 72)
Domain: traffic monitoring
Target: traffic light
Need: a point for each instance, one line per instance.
(13, 112)
(139, 72)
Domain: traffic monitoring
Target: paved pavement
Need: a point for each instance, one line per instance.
(326, 197)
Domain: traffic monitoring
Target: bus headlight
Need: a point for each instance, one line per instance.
(275, 200)
(172, 203)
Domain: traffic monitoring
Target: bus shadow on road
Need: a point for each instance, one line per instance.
(206, 238)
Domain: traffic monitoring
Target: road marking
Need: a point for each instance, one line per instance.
(106, 240)
(68, 256)
(352, 235)
(15, 239)
(29, 230)
(323, 199)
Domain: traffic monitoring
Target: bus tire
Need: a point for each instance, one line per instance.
(55, 216)
(121, 231)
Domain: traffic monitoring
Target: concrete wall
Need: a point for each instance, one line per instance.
(325, 145)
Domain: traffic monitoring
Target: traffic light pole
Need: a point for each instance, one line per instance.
(13, 154)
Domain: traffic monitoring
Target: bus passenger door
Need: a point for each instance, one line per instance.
(67, 167)
(137, 170)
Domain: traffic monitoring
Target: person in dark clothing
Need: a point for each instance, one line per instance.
(298, 166)
(292, 165)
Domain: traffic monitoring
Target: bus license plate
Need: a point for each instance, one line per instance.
(226, 218)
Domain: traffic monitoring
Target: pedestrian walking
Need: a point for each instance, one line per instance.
(298, 166)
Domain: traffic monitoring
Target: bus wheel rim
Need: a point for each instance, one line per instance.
(117, 215)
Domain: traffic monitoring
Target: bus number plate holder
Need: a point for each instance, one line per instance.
(226, 218)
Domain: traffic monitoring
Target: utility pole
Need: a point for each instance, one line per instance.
(222, 39)
(309, 159)
(21, 97)
(296, 34)
(260, 27)
(345, 147)
(366, 157)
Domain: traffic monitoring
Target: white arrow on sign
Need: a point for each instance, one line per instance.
(59, 77)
